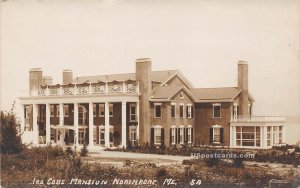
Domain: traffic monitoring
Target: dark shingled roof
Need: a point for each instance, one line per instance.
(222, 93)
(165, 92)
(154, 76)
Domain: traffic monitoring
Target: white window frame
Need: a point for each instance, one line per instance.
(111, 110)
(133, 131)
(216, 105)
(173, 105)
(132, 114)
(79, 137)
(189, 134)
(155, 105)
(189, 111)
(173, 135)
(214, 128)
(157, 130)
(181, 134)
(101, 105)
(66, 110)
(181, 105)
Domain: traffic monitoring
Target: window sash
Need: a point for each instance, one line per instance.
(101, 110)
(66, 110)
(94, 110)
(216, 111)
(157, 135)
(181, 111)
(157, 111)
(173, 110)
(132, 113)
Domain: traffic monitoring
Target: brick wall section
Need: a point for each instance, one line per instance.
(204, 121)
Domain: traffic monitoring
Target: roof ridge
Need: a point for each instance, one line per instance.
(213, 88)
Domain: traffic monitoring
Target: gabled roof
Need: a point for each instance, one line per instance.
(181, 77)
(167, 92)
(158, 76)
(215, 94)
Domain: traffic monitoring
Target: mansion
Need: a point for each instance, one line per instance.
(145, 107)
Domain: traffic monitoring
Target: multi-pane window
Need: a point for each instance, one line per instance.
(216, 110)
(181, 107)
(173, 135)
(132, 110)
(101, 110)
(189, 111)
(51, 110)
(132, 134)
(269, 136)
(173, 110)
(280, 132)
(181, 135)
(94, 110)
(66, 110)
(248, 136)
(157, 135)
(157, 110)
(216, 134)
(80, 136)
(189, 138)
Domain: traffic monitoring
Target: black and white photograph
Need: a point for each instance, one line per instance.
(150, 93)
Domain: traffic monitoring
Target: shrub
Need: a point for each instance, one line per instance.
(10, 140)
(162, 172)
(212, 162)
(84, 150)
(238, 163)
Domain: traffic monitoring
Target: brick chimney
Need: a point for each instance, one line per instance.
(243, 85)
(35, 79)
(143, 71)
(67, 76)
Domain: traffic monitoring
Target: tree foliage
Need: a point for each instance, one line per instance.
(10, 141)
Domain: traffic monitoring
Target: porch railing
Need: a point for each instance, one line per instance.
(87, 89)
(246, 118)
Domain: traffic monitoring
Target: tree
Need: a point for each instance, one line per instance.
(10, 140)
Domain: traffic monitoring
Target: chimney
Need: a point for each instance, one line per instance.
(243, 85)
(35, 79)
(67, 76)
(47, 80)
(143, 71)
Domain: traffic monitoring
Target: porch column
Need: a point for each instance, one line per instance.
(91, 125)
(61, 114)
(76, 123)
(124, 143)
(138, 122)
(231, 136)
(35, 125)
(265, 137)
(261, 136)
(107, 144)
(48, 129)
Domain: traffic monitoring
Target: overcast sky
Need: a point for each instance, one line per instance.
(204, 39)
